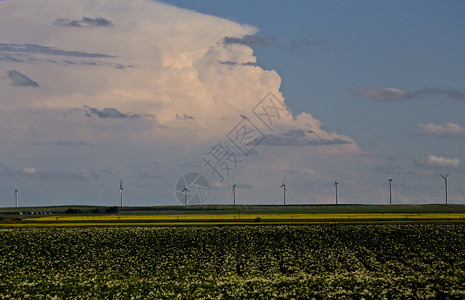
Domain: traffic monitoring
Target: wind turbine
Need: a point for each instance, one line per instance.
(390, 190)
(121, 191)
(234, 193)
(284, 189)
(335, 184)
(185, 190)
(445, 182)
(16, 196)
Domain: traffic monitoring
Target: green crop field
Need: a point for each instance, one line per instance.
(229, 219)
(247, 209)
(308, 251)
(425, 261)
(228, 215)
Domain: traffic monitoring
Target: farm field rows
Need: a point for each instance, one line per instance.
(235, 262)
(232, 219)
(247, 209)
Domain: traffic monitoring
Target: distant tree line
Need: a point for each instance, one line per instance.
(109, 210)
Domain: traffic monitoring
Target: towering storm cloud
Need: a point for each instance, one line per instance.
(144, 82)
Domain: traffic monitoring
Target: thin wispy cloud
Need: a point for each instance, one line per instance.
(146, 176)
(233, 63)
(188, 164)
(387, 168)
(50, 175)
(391, 94)
(11, 58)
(46, 50)
(433, 161)
(448, 92)
(63, 143)
(300, 137)
(109, 112)
(34, 54)
(184, 117)
(421, 172)
(383, 94)
(84, 22)
(423, 166)
(67, 62)
(251, 40)
(5, 170)
(434, 130)
(244, 185)
(29, 171)
(33, 59)
(74, 175)
(305, 43)
(18, 79)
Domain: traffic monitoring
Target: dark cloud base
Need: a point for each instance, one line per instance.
(18, 79)
(298, 137)
(84, 22)
(39, 49)
(111, 113)
(250, 40)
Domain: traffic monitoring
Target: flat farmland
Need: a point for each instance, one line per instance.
(226, 219)
(343, 261)
(231, 215)
(234, 252)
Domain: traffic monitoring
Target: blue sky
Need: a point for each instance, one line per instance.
(143, 90)
(405, 45)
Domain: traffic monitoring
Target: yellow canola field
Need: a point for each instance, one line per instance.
(232, 219)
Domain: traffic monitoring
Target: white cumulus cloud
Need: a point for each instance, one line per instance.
(438, 162)
(448, 130)
(144, 81)
(382, 94)
(29, 170)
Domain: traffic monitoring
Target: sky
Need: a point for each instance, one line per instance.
(210, 94)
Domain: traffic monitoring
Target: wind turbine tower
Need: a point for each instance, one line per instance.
(234, 193)
(335, 184)
(121, 191)
(16, 197)
(390, 190)
(185, 190)
(283, 186)
(445, 182)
